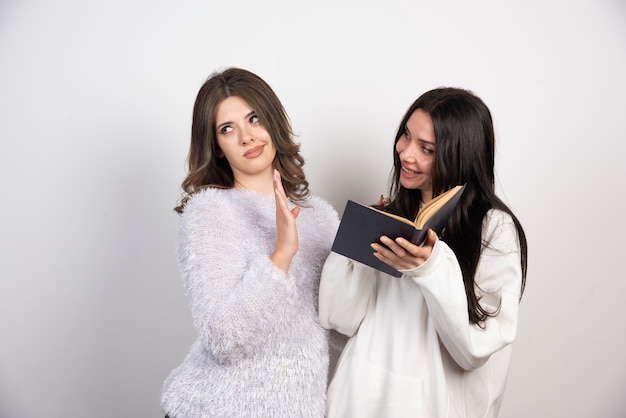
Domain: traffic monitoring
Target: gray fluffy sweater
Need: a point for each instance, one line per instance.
(260, 351)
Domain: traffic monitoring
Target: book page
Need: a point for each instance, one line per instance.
(434, 205)
(391, 215)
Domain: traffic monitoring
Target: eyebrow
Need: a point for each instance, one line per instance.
(427, 142)
(406, 129)
(252, 112)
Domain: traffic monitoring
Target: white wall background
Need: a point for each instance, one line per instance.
(95, 110)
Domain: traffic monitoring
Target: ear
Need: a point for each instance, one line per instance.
(219, 153)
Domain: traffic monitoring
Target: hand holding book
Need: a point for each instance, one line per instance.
(402, 254)
(363, 225)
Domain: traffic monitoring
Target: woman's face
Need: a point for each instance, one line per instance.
(416, 149)
(243, 139)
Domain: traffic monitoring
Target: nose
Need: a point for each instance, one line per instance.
(246, 135)
(407, 152)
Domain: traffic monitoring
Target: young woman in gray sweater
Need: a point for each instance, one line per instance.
(251, 245)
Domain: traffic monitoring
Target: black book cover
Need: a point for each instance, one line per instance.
(362, 225)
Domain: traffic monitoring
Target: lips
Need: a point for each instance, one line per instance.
(254, 152)
(409, 173)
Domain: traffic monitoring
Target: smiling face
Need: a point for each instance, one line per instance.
(243, 139)
(416, 149)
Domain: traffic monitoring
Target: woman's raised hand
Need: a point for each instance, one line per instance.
(287, 234)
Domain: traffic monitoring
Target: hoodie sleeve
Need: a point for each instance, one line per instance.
(498, 284)
(345, 290)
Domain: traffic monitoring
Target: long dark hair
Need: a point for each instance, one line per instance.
(465, 154)
(205, 166)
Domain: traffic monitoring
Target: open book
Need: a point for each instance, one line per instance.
(362, 225)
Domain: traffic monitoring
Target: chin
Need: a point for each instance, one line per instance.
(408, 184)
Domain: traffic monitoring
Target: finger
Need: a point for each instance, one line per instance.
(431, 238)
(279, 191)
(278, 184)
(382, 250)
(295, 211)
(393, 246)
(400, 254)
(281, 197)
(390, 258)
(408, 246)
(402, 247)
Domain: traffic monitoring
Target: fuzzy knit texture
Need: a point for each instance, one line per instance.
(260, 349)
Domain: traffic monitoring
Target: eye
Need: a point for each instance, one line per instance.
(427, 151)
(225, 129)
(254, 119)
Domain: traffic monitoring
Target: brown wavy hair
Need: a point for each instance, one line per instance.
(206, 165)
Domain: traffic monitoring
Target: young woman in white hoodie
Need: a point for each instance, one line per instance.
(435, 342)
(251, 245)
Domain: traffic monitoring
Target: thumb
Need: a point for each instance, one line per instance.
(295, 212)
(432, 238)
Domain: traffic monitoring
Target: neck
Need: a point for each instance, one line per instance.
(427, 196)
(257, 183)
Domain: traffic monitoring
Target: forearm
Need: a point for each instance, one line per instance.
(498, 280)
(233, 313)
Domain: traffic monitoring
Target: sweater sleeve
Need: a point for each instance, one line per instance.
(498, 284)
(345, 290)
(236, 295)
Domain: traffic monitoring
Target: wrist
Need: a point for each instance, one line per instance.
(281, 260)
